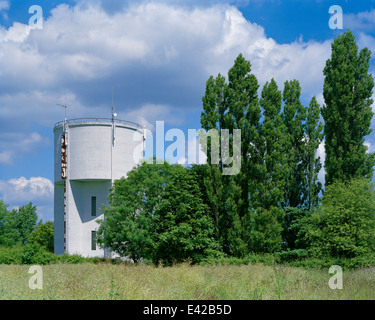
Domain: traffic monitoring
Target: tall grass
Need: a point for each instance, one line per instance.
(215, 282)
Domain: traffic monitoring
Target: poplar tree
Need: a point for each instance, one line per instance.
(234, 105)
(267, 215)
(273, 166)
(244, 113)
(314, 137)
(218, 192)
(347, 112)
(294, 117)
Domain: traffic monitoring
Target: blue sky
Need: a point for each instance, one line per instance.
(157, 55)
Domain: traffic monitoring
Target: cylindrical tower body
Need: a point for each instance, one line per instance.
(89, 155)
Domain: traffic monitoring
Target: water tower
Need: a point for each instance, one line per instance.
(90, 154)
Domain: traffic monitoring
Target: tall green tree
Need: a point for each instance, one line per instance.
(313, 138)
(233, 105)
(217, 189)
(244, 113)
(272, 141)
(267, 215)
(347, 112)
(294, 117)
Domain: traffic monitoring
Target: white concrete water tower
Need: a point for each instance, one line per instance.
(90, 154)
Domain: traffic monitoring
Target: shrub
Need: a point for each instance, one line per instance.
(44, 235)
(292, 255)
(72, 259)
(11, 255)
(344, 226)
(268, 259)
(35, 254)
(252, 258)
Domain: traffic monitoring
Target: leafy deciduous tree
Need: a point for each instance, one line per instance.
(344, 226)
(347, 111)
(157, 213)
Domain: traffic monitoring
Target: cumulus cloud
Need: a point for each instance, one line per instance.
(149, 114)
(167, 51)
(14, 145)
(37, 188)
(21, 191)
(361, 21)
(4, 5)
(370, 147)
(157, 56)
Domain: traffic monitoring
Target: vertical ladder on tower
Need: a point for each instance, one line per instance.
(64, 161)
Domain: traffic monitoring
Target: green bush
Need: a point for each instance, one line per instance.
(268, 259)
(252, 258)
(33, 254)
(344, 226)
(363, 261)
(71, 259)
(36, 254)
(292, 255)
(44, 235)
(11, 255)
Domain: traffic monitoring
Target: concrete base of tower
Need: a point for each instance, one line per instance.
(75, 233)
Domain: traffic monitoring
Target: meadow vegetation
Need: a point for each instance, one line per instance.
(104, 281)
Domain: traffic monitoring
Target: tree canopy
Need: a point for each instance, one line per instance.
(347, 112)
(157, 213)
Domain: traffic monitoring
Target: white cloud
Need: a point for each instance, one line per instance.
(17, 33)
(4, 5)
(14, 145)
(370, 147)
(322, 154)
(35, 187)
(170, 50)
(148, 114)
(158, 55)
(363, 21)
(21, 191)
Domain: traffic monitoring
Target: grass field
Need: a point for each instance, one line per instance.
(182, 282)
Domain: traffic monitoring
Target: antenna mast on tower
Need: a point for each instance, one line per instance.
(65, 107)
(114, 115)
(60, 105)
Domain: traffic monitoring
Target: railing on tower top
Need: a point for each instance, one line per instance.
(90, 120)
